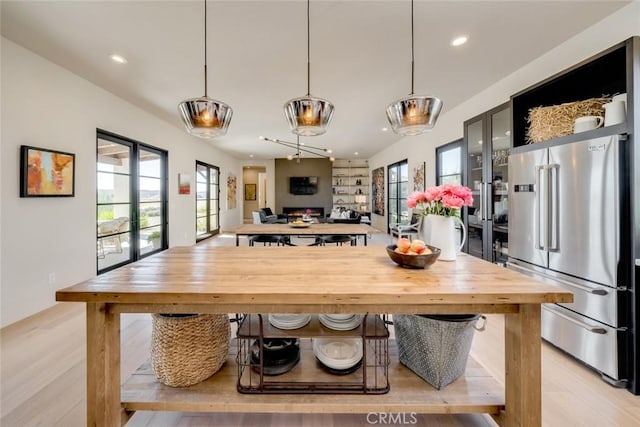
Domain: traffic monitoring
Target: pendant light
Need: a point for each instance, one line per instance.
(205, 117)
(414, 114)
(301, 148)
(308, 115)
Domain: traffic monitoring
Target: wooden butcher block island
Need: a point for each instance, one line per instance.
(202, 279)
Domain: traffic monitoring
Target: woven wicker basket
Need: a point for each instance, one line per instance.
(436, 350)
(557, 120)
(188, 348)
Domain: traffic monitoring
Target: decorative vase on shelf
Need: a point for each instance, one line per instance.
(440, 231)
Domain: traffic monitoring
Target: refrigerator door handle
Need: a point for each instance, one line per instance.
(553, 213)
(594, 291)
(539, 207)
(529, 272)
(592, 329)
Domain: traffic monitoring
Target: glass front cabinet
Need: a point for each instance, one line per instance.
(487, 141)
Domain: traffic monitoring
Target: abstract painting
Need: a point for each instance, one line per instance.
(184, 183)
(232, 184)
(46, 173)
(377, 190)
(418, 177)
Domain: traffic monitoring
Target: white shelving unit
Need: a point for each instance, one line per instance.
(350, 182)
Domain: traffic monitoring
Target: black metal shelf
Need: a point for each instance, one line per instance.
(308, 375)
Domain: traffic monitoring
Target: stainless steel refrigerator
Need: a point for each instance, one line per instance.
(568, 224)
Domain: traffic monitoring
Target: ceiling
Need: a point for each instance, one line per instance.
(360, 56)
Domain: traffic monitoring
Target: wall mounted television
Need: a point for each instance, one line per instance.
(303, 185)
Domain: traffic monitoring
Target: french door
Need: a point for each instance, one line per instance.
(131, 214)
(207, 200)
(398, 190)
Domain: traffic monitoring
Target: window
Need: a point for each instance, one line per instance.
(207, 200)
(398, 185)
(449, 163)
(131, 197)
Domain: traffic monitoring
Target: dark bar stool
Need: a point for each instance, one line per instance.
(264, 239)
(338, 239)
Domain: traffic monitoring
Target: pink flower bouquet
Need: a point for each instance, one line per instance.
(445, 200)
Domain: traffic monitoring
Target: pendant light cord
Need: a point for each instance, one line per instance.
(412, 54)
(308, 55)
(205, 48)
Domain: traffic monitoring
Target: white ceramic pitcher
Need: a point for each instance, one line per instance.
(440, 231)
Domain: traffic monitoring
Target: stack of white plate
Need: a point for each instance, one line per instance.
(339, 354)
(340, 322)
(289, 321)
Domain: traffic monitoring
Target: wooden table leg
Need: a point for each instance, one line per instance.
(103, 366)
(523, 403)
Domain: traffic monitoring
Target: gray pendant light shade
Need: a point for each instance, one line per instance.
(308, 115)
(205, 117)
(414, 114)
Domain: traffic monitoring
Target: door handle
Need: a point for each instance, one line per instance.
(554, 203)
(487, 191)
(534, 273)
(481, 204)
(538, 207)
(589, 328)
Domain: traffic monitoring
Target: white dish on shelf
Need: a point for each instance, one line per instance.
(340, 324)
(289, 321)
(338, 316)
(338, 353)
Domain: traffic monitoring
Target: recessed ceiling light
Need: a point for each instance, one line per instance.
(355, 154)
(118, 58)
(385, 129)
(251, 155)
(328, 150)
(459, 41)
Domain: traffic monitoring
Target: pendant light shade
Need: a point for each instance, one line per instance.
(308, 115)
(414, 114)
(205, 117)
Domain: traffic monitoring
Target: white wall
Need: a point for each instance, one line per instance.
(46, 106)
(602, 35)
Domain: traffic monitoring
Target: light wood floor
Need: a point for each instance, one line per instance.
(42, 379)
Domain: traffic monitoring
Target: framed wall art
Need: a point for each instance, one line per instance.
(184, 183)
(46, 173)
(232, 183)
(249, 191)
(377, 190)
(418, 177)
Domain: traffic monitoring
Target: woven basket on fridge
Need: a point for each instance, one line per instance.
(188, 348)
(436, 348)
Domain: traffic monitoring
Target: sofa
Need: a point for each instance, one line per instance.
(269, 217)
